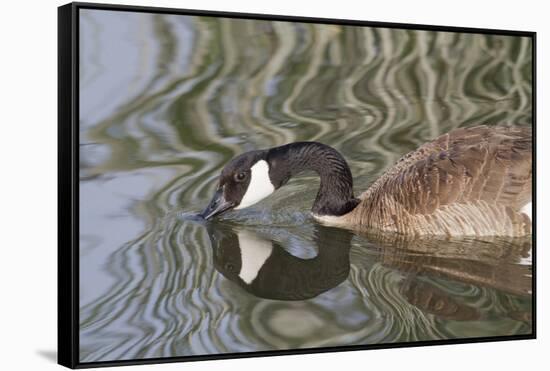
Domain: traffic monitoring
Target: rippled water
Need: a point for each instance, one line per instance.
(166, 101)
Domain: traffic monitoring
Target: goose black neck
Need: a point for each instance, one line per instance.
(335, 195)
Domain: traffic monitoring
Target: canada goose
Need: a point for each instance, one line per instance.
(471, 181)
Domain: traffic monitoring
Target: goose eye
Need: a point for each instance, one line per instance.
(229, 267)
(239, 177)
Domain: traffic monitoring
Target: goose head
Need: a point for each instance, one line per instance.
(254, 175)
(244, 181)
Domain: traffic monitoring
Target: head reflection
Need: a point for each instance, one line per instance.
(264, 268)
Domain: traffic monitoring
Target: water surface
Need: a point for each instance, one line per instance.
(166, 101)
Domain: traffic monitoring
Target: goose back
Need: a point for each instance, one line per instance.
(470, 181)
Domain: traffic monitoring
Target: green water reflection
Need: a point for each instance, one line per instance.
(166, 101)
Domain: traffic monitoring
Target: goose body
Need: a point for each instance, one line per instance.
(471, 181)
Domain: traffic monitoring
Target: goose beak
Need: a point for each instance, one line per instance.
(217, 205)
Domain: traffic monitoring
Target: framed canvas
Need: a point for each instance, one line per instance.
(242, 185)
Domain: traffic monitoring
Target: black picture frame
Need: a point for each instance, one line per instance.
(68, 182)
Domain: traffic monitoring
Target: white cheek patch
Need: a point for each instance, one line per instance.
(260, 185)
(528, 210)
(254, 253)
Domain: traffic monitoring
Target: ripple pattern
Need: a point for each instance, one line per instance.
(166, 100)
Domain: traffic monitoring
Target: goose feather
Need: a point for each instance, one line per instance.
(470, 181)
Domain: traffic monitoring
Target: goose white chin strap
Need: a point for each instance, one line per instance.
(259, 187)
(254, 252)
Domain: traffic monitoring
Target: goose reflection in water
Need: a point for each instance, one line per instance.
(265, 269)
(262, 266)
(488, 263)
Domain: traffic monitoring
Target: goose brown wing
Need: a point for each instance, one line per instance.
(468, 176)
